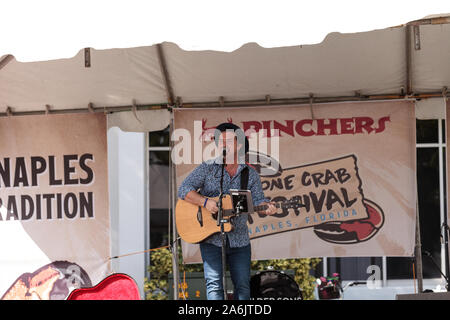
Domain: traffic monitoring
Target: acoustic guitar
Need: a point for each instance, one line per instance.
(195, 223)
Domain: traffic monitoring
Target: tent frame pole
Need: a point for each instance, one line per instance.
(409, 92)
(172, 197)
(237, 103)
(418, 251)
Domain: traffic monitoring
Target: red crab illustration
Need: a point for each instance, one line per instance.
(349, 232)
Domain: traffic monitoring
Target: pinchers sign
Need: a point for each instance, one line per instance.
(332, 203)
(306, 127)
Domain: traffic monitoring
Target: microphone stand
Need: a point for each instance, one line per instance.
(221, 221)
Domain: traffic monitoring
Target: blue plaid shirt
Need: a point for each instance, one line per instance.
(206, 180)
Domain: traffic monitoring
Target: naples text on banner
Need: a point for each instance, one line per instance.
(54, 212)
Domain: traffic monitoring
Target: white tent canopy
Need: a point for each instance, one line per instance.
(366, 65)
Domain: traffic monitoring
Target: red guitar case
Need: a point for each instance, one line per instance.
(117, 286)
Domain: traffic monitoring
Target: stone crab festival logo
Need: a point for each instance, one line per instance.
(331, 197)
(330, 193)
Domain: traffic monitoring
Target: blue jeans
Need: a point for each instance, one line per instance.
(238, 260)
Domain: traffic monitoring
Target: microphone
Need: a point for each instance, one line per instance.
(224, 156)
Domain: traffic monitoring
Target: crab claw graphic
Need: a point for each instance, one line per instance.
(350, 232)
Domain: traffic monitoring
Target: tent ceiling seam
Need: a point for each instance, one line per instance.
(5, 60)
(165, 74)
(409, 89)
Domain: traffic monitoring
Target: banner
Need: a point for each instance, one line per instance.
(350, 165)
(54, 212)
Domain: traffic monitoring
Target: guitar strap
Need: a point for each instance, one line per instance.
(244, 185)
(244, 182)
(244, 178)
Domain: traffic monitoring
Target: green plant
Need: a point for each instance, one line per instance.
(157, 287)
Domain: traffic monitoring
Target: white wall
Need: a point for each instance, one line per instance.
(127, 189)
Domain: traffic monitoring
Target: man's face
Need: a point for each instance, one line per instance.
(228, 140)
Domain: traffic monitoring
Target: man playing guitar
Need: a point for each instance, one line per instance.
(204, 183)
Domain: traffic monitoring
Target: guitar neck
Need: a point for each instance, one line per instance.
(230, 212)
(282, 204)
(265, 206)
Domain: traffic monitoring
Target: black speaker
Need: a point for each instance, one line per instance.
(274, 285)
